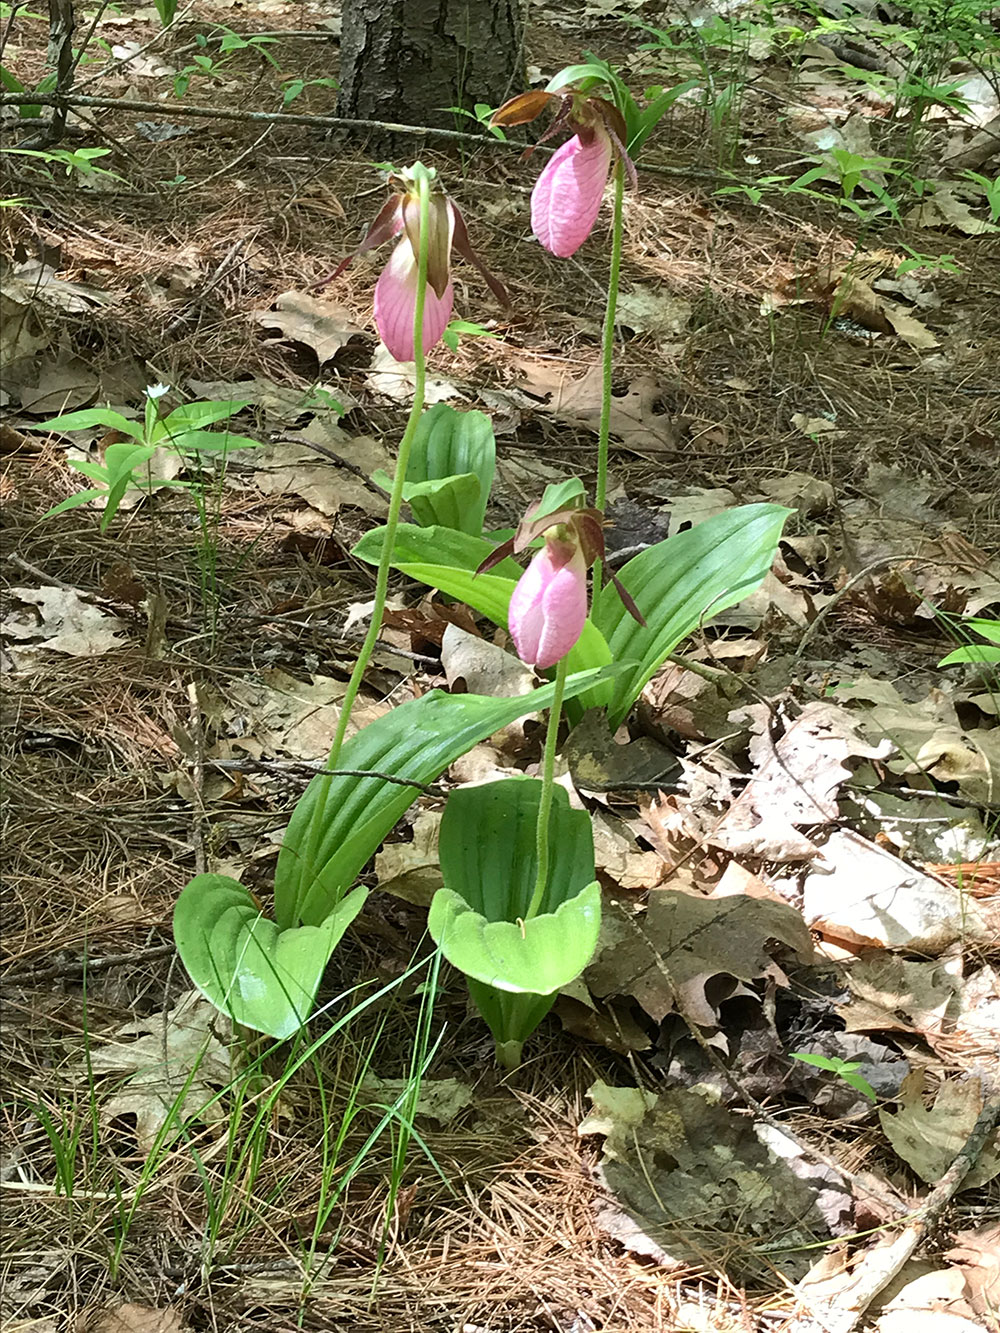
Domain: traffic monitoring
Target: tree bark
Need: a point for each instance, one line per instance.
(408, 61)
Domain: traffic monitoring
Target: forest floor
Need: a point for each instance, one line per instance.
(165, 684)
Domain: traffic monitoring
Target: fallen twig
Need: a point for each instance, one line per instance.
(881, 1266)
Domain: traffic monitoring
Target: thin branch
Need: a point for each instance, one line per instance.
(881, 1266)
(324, 123)
(315, 770)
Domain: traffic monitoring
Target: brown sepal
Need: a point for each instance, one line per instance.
(463, 245)
(524, 107)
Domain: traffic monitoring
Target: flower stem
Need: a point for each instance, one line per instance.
(608, 351)
(391, 524)
(548, 782)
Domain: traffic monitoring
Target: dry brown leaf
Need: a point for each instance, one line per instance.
(325, 326)
(476, 666)
(977, 1253)
(290, 468)
(275, 714)
(134, 1319)
(944, 208)
(695, 939)
(634, 419)
(411, 870)
(794, 784)
(62, 623)
(688, 1179)
(928, 736)
(175, 1065)
(858, 895)
(929, 1138)
(893, 994)
(654, 311)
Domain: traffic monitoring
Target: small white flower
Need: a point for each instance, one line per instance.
(157, 390)
(751, 159)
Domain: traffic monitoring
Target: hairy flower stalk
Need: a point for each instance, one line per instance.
(547, 615)
(421, 180)
(566, 201)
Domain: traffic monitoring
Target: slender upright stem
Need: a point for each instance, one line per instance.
(548, 782)
(608, 343)
(391, 523)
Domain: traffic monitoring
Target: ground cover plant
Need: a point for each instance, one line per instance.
(502, 756)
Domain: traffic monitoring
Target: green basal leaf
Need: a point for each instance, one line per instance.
(263, 977)
(447, 503)
(416, 741)
(534, 957)
(511, 1018)
(679, 584)
(489, 862)
(434, 546)
(450, 444)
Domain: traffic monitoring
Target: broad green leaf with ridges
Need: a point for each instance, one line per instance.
(416, 741)
(263, 977)
(681, 583)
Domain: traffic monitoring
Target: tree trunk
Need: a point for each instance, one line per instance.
(408, 61)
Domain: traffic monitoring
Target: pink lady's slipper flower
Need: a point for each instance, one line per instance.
(548, 607)
(396, 289)
(567, 195)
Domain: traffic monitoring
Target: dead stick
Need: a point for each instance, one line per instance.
(314, 122)
(882, 1266)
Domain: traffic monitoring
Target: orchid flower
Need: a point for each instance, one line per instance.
(567, 195)
(548, 607)
(396, 290)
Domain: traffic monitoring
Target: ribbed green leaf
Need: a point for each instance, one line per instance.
(434, 546)
(489, 862)
(681, 583)
(263, 977)
(340, 822)
(450, 503)
(449, 443)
